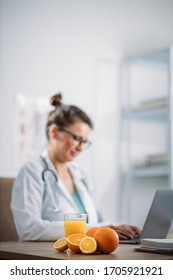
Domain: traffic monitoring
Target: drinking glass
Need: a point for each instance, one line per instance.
(74, 223)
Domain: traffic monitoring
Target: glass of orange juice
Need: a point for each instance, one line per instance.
(74, 223)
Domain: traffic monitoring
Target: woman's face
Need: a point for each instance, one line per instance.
(70, 142)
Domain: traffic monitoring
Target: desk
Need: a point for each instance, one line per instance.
(14, 250)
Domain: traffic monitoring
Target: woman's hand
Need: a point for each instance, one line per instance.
(126, 231)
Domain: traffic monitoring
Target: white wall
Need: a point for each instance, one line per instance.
(46, 49)
(76, 46)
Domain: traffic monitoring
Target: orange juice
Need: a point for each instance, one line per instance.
(74, 223)
(74, 227)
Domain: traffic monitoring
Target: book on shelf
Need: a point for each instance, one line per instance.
(162, 101)
(153, 104)
(151, 161)
(158, 158)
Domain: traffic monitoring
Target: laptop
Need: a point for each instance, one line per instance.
(159, 218)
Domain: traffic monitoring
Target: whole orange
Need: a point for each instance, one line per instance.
(107, 240)
(90, 232)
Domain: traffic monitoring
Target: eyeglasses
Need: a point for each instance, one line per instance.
(77, 138)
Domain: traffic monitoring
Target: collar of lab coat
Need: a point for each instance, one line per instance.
(81, 187)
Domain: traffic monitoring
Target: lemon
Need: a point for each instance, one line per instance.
(61, 244)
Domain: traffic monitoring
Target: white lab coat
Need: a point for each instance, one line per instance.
(38, 206)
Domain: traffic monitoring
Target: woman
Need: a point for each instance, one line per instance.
(49, 186)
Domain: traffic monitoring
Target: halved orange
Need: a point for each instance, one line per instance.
(61, 244)
(74, 240)
(88, 245)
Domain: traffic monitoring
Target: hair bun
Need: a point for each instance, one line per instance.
(55, 100)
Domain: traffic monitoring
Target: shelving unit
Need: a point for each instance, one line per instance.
(147, 117)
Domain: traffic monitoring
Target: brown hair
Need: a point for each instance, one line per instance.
(65, 115)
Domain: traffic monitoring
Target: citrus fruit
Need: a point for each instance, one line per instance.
(107, 240)
(61, 244)
(88, 245)
(91, 231)
(74, 240)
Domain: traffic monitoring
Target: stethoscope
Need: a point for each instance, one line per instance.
(47, 169)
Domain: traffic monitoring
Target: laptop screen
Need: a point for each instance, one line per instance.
(160, 215)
